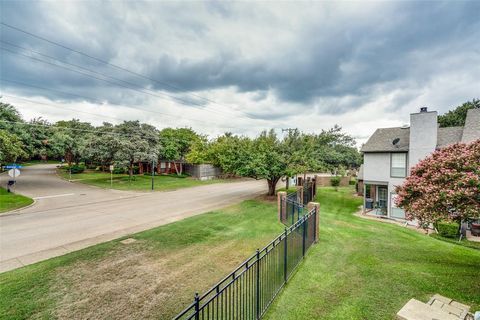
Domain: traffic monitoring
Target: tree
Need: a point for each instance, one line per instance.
(456, 117)
(11, 148)
(69, 138)
(259, 158)
(138, 142)
(38, 138)
(102, 146)
(443, 186)
(175, 144)
(334, 149)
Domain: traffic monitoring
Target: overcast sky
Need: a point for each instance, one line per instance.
(240, 66)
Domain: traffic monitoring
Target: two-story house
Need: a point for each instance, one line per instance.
(390, 153)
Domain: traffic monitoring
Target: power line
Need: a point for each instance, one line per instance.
(110, 64)
(101, 102)
(128, 84)
(96, 132)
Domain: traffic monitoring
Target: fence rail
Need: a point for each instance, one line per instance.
(248, 291)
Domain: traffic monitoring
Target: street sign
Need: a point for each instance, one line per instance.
(13, 173)
(111, 167)
(13, 166)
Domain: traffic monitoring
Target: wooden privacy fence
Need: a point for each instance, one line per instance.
(248, 291)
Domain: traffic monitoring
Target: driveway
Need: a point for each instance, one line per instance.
(69, 216)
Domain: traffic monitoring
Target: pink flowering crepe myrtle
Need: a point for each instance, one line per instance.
(444, 186)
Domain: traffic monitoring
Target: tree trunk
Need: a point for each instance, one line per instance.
(130, 170)
(272, 183)
(176, 169)
(287, 183)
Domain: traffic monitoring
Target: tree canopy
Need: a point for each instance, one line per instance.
(457, 116)
(445, 185)
(268, 157)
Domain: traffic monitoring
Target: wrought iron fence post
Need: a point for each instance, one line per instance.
(304, 236)
(258, 285)
(285, 258)
(197, 306)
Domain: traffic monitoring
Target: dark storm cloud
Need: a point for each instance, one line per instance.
(400, 45)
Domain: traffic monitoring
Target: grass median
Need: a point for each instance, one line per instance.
(12, 201)
(137, 182)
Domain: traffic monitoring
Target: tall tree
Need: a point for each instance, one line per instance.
(68, 139)
(138, 142)
(102, 147)
(456, 117)
(174, 144)
(11, 147)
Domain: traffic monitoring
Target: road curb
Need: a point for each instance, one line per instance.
(17, 211)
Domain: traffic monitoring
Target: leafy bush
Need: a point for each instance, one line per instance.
(352, 182)
(335, 181)
(76, 168)
(448, 229)
(118, 170)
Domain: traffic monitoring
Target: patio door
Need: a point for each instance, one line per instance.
(382, 197)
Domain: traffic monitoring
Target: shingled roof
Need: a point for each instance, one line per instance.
(382, 139)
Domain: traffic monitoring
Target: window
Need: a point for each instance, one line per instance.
(398, 168)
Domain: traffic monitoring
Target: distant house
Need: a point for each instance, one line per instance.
(162, 167)
(390, 153)
(197, 171)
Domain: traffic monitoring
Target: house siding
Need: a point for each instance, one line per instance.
(376, 168)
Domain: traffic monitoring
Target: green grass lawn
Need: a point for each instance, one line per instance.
(364, 269)
(463, 242)
(154, 277)
(12, 201)
(137, 182)
(360, 269)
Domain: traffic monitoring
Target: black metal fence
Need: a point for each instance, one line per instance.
(291, 209)
(308, 191)
(249, 290)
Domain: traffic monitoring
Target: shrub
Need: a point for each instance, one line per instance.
(76, 168)
(118, 170)
(448, 229)
(335, 181)
(352, 182)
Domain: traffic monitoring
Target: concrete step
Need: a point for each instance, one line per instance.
(417, 310)
(448, 305)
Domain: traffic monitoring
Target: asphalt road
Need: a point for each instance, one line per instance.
(70, 216)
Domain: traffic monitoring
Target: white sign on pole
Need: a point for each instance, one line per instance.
(13, 173)
(111, 167)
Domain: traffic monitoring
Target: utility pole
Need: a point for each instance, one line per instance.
(153, 173)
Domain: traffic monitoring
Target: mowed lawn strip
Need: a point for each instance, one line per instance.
(137, 182)
(152, 278)
(364, 269)
(11, 201)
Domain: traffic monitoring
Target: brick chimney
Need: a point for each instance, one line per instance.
(423, 135)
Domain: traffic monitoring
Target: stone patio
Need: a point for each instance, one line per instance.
(437, 308)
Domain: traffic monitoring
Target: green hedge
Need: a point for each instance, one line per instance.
(448, 229)
(76, 168)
